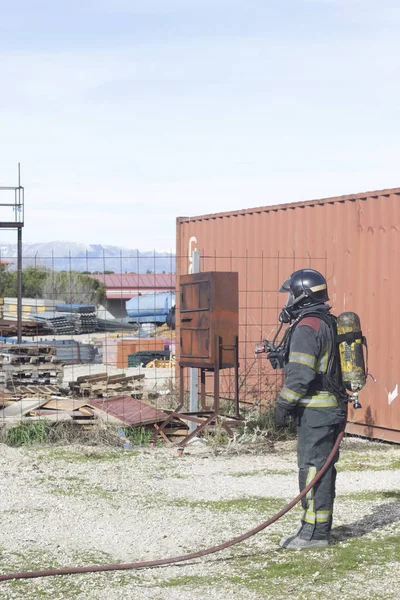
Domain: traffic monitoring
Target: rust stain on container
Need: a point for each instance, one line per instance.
(354, 240)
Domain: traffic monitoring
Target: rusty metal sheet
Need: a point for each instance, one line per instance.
(129, 411)
(354, 240)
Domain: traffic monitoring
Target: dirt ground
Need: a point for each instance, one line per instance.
(75, 506)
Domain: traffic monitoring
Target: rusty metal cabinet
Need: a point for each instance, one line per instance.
(209, 308)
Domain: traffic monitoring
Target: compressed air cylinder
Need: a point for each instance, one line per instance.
(351, 352)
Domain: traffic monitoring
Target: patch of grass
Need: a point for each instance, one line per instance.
(86, 455)
(30, 559)
(280, 574)
(371, 496)
(367, 462)
(67, 587)
(259, 503)
(77, 487)
(187, 580)
(283, 572)
(263, 472)
(74, 486)
(23, 511)
(91, 557)
(337, 562)
(139, 436)
(27, 433)
(51, 588)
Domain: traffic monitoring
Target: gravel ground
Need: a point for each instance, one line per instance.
(73, 506)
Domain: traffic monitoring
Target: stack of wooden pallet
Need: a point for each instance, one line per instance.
(20, 354)
(12, 376)
(29, 364)
(102, 385)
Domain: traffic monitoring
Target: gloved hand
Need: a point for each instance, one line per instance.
(276, 359)
(282, 417)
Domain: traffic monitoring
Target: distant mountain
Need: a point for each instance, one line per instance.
(61, 256)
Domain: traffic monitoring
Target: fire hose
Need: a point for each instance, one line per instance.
(192, 555)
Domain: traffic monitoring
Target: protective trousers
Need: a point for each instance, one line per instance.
(314, 446)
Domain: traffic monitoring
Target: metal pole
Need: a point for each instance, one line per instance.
(19, 286)
(237, 412)
(19, 264)
(194, 373)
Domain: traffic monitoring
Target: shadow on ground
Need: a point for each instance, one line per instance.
(382, 515)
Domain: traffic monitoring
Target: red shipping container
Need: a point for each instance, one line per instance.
(353, 240)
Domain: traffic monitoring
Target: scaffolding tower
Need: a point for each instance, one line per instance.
(12, 217)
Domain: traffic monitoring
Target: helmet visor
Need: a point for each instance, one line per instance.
(290, 300)
(285, 287)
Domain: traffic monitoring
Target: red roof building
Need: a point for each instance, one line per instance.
(120, 286)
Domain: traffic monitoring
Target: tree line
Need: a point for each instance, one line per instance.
(71, 287)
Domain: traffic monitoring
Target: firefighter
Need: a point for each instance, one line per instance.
(318, 412)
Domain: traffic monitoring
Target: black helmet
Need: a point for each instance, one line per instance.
(305, 287)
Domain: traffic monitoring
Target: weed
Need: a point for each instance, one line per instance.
(258, 503)
(371, 461)
(61, 433)
(279, 574)
(27, 433)
(139, 436)
(77, 487)
(216, 436)
(169, 397)
(50, 588)
(370, 496)
(186, 580)
(85, 455)
(262, 419)
(265, 472)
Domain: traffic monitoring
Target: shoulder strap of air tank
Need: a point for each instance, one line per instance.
(329, 319)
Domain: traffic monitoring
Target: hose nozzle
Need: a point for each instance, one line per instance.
(356, 403)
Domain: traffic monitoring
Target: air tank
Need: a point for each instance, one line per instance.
(351, 351)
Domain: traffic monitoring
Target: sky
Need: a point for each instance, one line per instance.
(126, 114)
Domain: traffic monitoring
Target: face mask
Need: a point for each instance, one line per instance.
(286, 313)
(289, 300)
(285, 316)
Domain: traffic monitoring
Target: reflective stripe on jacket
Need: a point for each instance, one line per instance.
(309, 351)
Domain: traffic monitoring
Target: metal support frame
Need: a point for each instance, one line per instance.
(199, 420)
(18, 208)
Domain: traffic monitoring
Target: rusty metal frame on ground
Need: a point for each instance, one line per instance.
(209, 415)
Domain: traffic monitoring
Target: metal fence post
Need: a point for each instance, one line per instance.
(194, 373)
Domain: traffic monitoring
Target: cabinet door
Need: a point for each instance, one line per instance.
(195, 296)
(195, 343)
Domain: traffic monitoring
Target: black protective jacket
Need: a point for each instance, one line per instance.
(306, 359)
